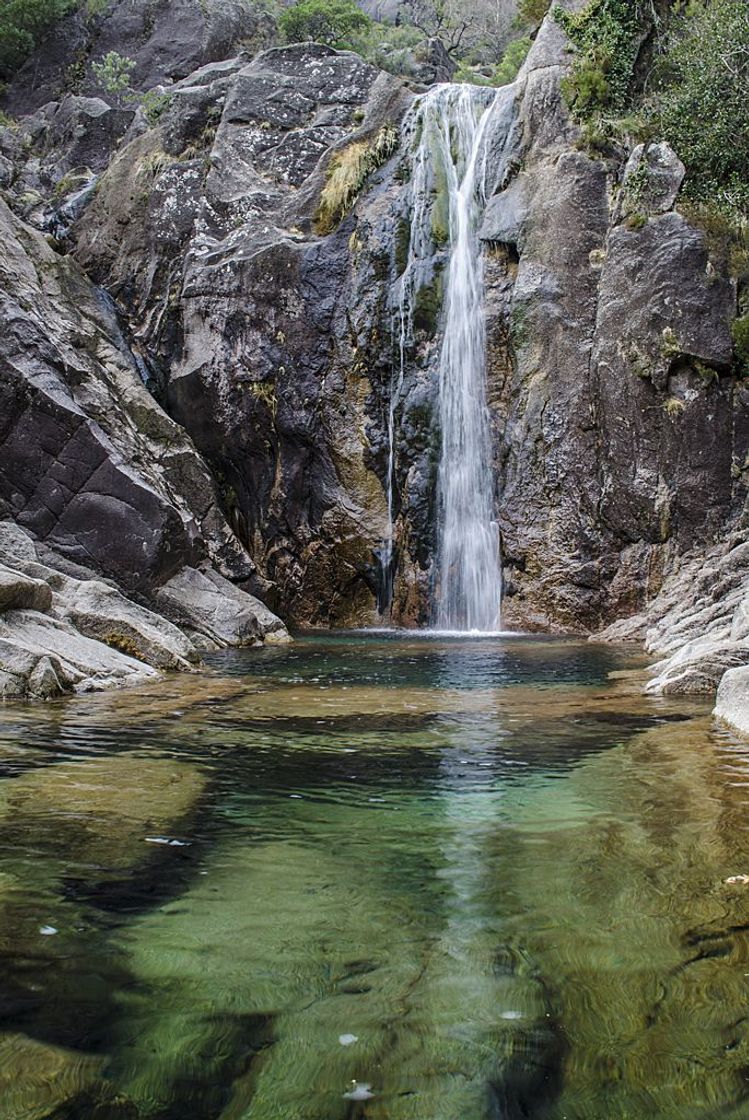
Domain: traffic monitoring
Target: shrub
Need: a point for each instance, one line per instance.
(333, 22)
(389, 47)
(471, 75)
(700, 102)
(605, 35)
(531, 12)
(113, 73)
(513, 58)
(22, 25)
(155, 105)
(740, 332)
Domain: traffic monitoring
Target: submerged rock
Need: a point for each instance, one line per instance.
(100, 812)
(38, 1080)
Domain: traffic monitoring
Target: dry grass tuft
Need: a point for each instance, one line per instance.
(348, 172)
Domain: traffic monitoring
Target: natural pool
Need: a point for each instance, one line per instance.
(375, 876)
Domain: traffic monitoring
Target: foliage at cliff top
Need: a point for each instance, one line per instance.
(22, 25)
(696, 95)
(334, 22)
(605, 35)
(700, 100)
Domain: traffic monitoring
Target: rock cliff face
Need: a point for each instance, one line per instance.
(208, 230)
(622, 434)
(95, 479)
(250, 229)
(166, 39)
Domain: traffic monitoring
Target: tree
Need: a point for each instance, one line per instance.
(700, 99)
(113, 73)
(472, 32)
(22, 24)
(513, 58)
(333, 22)
(439, 19)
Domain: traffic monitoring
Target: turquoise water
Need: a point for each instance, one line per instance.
(375, 876)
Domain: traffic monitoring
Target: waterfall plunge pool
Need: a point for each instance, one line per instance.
(375, 876)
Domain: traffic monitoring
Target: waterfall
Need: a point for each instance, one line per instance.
(449, 134)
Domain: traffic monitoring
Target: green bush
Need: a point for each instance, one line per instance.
(155, 105)
(513, 58)
(22, 25)
(605, 34)
(113, 73)
(470, 74)
(389, 47)
(333, 22)
(700, 102)
(531, 12)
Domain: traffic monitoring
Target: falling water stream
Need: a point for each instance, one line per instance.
(451, 130)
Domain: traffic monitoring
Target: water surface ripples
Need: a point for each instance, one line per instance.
(375, 876)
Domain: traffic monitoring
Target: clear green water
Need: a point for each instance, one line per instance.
(485, 879)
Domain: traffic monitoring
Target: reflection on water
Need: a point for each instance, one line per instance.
(375, 877)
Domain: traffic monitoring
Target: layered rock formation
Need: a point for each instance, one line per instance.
(96, 480)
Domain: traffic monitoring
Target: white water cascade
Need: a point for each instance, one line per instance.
(452, 130)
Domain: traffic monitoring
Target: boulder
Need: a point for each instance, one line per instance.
(42, 656)
(101, 612)
(18, 592)
(652, 180)
(79, 132)
(505, 215)
(94, 637)
(697, 667)
(732, 701)
(215, 613)
(433, 63)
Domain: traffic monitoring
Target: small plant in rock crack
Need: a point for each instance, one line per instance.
(113, 75)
